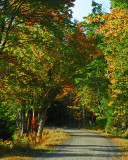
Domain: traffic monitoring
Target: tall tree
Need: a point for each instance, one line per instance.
(114, 47)
(26, 18)
(35, 71)
(90, 28)
(92, 83)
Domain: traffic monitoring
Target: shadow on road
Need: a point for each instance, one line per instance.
(95, 136)
(86, 146)
(61, 154)
(81, 149)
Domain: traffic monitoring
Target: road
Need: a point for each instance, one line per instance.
(83, 145)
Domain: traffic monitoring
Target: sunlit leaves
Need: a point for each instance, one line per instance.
(119, 4)
(109, 87)
(114, 32)
(42, 13)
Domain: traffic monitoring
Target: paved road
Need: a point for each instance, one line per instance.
(84, 145)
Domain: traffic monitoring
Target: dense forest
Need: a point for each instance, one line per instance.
(58, 72)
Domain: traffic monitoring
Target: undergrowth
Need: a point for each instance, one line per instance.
(27, 146)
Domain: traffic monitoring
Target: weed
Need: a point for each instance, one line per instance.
(29, 144)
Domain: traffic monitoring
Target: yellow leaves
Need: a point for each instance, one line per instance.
(114, 95)
(118, 12)
(78, 116)
(32, 107)
(76, 100)
(88, 18)
(110, 103)
(117, 91)
(115, 23)
(95, 19)
(98, 16)
(115, 34)
(113, 81)
(4, 103)
(104, 16)
(63, 94)
(106, 34)
(59, 96)
(107, 75)
(73, 107)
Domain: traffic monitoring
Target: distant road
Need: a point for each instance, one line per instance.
(84, 145)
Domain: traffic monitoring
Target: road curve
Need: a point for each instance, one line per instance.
(83, 145)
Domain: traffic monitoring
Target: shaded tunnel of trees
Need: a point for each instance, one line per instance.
(57, 72)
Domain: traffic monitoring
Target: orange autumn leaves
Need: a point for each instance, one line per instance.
(114, 31)
(83, 45)
(115, 23)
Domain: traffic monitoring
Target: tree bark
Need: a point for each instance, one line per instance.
(22, 122)
(83, 116)
(30, 120)
(18, 120)
(42, 120)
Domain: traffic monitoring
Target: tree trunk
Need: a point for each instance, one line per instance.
(22, 122)
(42, 120)
(18, 120)
(30, 120)
(83, 116)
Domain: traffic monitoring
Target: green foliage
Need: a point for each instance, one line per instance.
(41, 52)
(96, 8)
(39, 64)
(115, 51)
(27, 140)
(90, 28)
(101, 122)
(119, 4)
(7, 121)
(35, 62)
(43, 13)
(103, 83)
(5, 147)
(94, 85)
(125, 134)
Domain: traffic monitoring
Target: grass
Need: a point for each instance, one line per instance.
(123, 145)
(56, 137)
(50, 138)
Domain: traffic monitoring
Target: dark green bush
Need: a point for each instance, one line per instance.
(7, 123)
(101, 122)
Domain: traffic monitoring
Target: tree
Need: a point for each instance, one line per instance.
(90, 28)
(20, 81)
(39, 71)
(15, 13)
(122, 4)
(91, 81)
(32, 81)
(7, 121)
(114, 47)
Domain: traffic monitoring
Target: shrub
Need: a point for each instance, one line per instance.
(5, 146)
(101, 122)
(7, 122)
(125, 134)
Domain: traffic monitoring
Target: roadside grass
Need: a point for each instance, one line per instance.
(123, 145)
(56, 137)
(50, 138)
(121, 142)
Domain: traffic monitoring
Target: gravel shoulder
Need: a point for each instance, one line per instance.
(84, 145)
